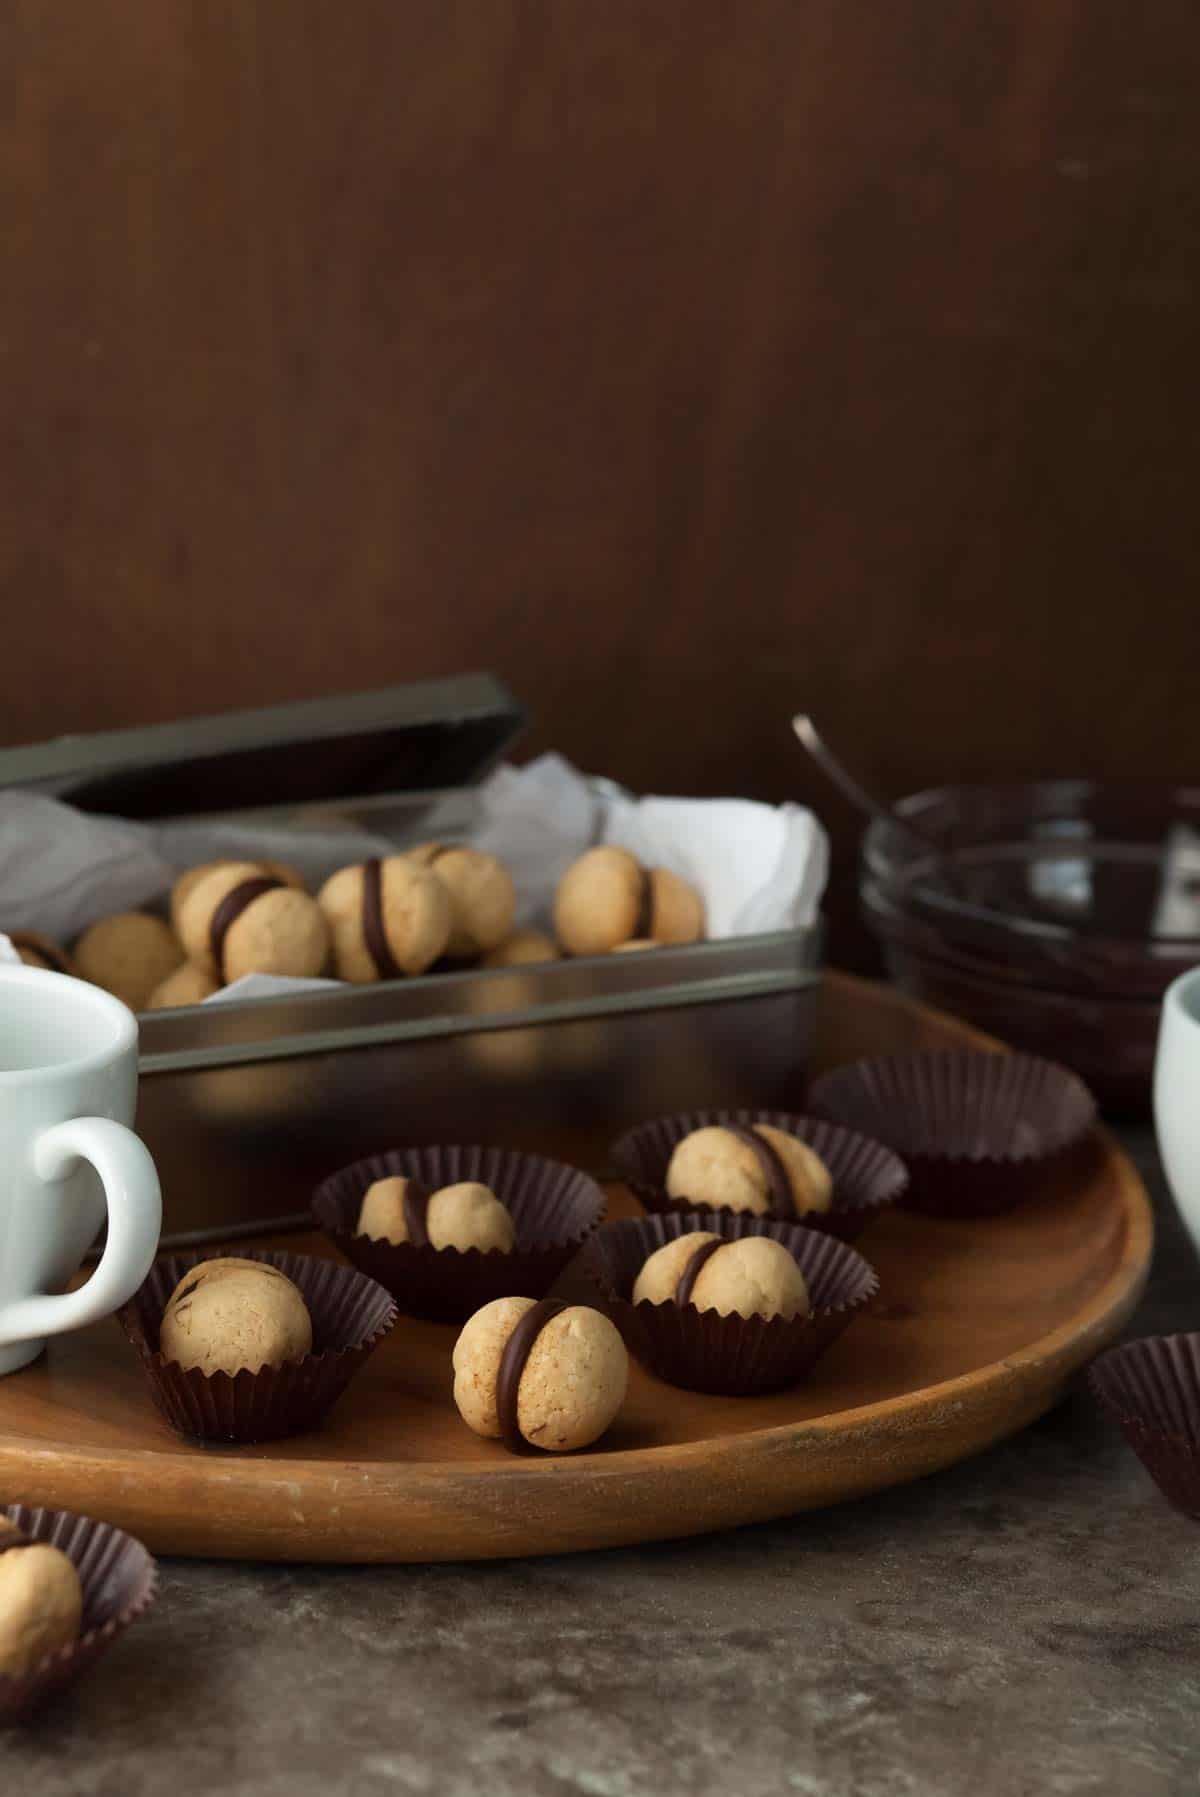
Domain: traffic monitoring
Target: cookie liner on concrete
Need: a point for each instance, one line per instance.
(119, 1580)
(1151, 1390)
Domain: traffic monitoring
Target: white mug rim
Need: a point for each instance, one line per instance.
(124, 1024)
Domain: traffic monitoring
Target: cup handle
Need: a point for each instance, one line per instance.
(134, 1201)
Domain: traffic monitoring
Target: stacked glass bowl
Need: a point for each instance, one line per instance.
(1053, 914)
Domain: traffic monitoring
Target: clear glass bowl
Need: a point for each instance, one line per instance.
(1056, 915)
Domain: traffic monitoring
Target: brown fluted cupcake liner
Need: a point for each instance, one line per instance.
(978, 1132)
(1151, 1390)
(554, 1209)
(119, 1581)
(867, 1177)
(734, 1356)
(350, 1314)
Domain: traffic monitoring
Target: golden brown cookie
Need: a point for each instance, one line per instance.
(128, 954)
(545, 1373)
(241, 919)
(676, 909)
(599, 902)
(188, 985)
(607, 898)
(388, 918)
(483, 899)
(756, 1169)
(467, 1215)
(658, 1281)
(41, 1601)
(755, 1276)
(192, 876)
(227, 1314)
(526, 949)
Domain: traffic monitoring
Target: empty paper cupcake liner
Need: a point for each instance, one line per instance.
(1151, 1390)
(119, 1581)
(978, 1132)
(735, 1356)
(350, 1317)
(867, 1177)
(554, 1209)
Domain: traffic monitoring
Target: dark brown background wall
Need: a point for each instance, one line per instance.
(685, 363)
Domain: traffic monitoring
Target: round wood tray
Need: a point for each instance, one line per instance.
(977, 1330)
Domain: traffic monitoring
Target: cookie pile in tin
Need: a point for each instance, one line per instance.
(438, 905)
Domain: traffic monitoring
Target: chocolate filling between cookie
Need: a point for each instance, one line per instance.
(779, 1186)
(643, 922)
(56, 962)
(692, 1271)
(517, 1350)
(236, 900)
(374, 932)
(8, 1542)
(416, 1212)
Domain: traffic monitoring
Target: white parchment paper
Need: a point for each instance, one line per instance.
(759, 867)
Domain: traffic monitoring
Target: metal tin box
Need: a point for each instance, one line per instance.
(246, 1105)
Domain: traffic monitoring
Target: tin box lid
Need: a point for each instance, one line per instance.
(419, 737)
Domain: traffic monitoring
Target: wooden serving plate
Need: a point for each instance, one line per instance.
(977, 1330)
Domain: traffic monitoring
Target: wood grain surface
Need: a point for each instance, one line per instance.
(685, 364)
(976, 1331)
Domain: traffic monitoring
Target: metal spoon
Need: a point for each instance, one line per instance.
(853, 790)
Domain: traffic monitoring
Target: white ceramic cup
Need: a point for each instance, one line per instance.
(1177, 1096)
(68, 1084)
